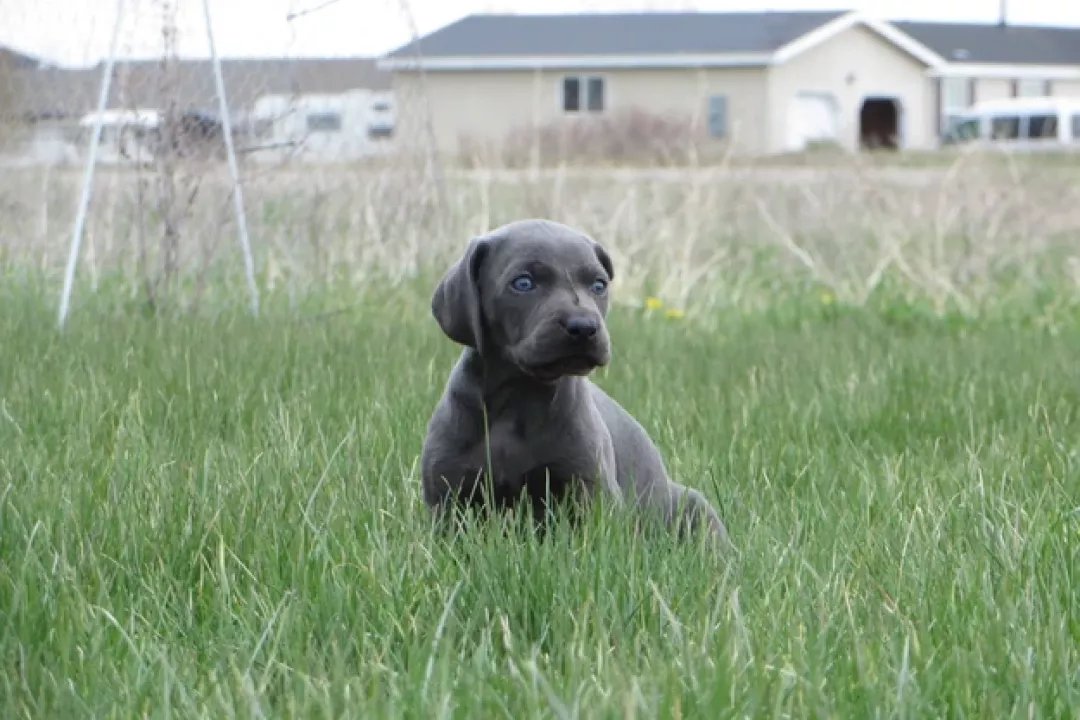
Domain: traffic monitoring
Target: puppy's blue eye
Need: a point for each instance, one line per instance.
(522, 283)
(598, 287)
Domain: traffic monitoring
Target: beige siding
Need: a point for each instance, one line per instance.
(1065, 88)
(993, 89)
(852, 66)
(685, 94)
(483, 105)
(488, 106)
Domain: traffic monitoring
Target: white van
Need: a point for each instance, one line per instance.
(1031, 123)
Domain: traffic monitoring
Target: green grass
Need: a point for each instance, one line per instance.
(218, 516)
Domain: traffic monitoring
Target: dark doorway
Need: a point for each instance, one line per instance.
(879, 124)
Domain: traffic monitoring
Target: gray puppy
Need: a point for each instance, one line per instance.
(519, 419)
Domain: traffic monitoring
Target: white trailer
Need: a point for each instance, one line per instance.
(323, 128)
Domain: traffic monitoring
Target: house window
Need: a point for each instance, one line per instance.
(571, 94)
(957, 95)
(1042, 127)
(324, 122)
(595, 95)
(1005, 127)
(1031, 87)
(380, 131)
(718, 116)
(1076, 127)
(583, 93)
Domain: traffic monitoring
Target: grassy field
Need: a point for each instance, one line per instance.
(205, 514)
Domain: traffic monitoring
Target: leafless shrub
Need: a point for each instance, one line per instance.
(633, 136)
(170, 164)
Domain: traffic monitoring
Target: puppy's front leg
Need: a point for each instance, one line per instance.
(447, 496)
(450, 489)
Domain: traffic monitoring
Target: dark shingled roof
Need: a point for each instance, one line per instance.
(644, 33)
(674, 33)
(1009, 44)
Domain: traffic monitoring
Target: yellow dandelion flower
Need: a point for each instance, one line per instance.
(674, 314)
(827, 299)
(653, 303)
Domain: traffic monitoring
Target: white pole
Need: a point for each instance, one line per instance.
(91, 163)
(234, 170)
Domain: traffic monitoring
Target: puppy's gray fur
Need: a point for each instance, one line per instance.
(529, 346)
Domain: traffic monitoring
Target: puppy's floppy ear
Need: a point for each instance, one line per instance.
(456, 302)
(604, 258)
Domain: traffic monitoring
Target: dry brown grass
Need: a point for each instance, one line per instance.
(977, 231)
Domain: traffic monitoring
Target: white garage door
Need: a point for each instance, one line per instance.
(813, 117)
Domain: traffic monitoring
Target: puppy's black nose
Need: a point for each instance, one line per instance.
(581, 326)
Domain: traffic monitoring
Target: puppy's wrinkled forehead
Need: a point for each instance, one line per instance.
(539, 245)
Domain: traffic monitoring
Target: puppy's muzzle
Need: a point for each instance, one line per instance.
(581, 328)
(571, 344)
